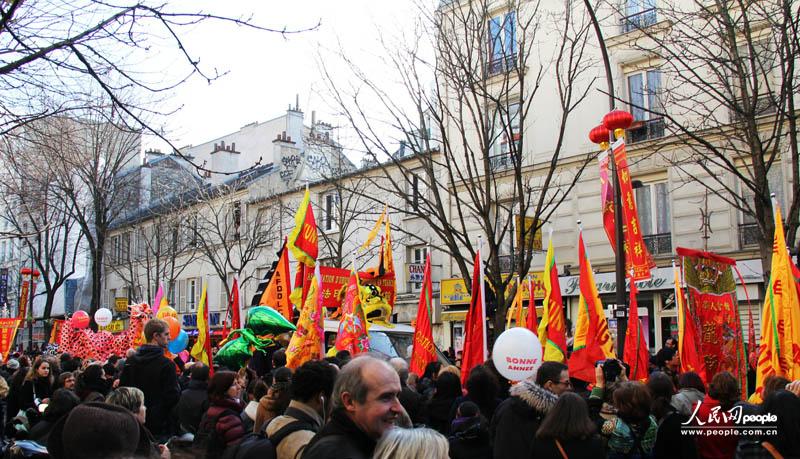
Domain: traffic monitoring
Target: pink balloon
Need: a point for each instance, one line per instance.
(80, 319)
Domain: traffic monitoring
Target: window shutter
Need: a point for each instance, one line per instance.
(636, 94)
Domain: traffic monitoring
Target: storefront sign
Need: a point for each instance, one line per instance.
(416, 272)
(454, 291)
(3, 286)
(121, 304)
(190, 320)
(661, 278)
(115, 326)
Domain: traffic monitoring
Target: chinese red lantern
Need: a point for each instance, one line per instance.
(599, 135)
(30, 272)
(617, 121)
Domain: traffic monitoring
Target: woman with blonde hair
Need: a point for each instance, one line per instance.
(399, 443)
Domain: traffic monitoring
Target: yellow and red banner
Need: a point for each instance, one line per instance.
(592, 338)
(712, 298)
(8, 331)
(353, 328)
(423, 351)
(55, 332)
(24, 294)
(303, 238)
(637, 258)
(202, 348)
(779, 352)
(552, 328)
(307, 342)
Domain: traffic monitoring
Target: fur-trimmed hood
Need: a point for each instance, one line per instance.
(535, 396)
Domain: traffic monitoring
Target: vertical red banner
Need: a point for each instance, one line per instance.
(607, 199)
(637, 257)
(8, 331)
(23, 299)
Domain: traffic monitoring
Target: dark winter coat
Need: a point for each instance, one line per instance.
(341, 439)
(38, 388)
(517, 419)
(669, 441)
(414, 405)
(154, 374)
(192, 405)
(589, 448)
(470, 439)
(438, 411)
(229, 426)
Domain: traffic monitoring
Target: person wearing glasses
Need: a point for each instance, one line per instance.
(517, 419)
(154, 374)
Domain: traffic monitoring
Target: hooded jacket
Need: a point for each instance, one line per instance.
(517, 419)
(153, 373)
(470, 439)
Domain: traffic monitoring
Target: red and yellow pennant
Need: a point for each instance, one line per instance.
(552, 328)
(307, 342)
(303, 240)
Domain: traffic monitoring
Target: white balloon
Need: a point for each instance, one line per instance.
(517, 353)
(103, 317)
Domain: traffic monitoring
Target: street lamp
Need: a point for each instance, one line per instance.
(30, 275)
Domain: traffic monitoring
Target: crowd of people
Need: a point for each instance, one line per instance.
(144, 405)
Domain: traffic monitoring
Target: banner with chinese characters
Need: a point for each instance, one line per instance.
(713, 305)
(334, 281)
(24, 292)
(8, 331)
(3, 286)
(637, 258)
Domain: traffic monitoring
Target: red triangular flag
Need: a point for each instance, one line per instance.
(636, 354)
(475, 352)
(423, 351)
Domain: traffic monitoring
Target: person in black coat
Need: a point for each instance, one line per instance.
(469, 438)
(669, 441)
(61, 403)
(483, 389)
(567, 431)
(37, 387)
(154, 374)
(194, 399)
(447, 388)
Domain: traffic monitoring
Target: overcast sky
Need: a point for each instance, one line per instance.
(266, 71)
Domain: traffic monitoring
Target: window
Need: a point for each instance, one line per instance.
(748, 229)
(223, 295)
(502, 44)
(416, 256)
(505, 130)
(652, 202)
(759, 77)
(638, 14)
(418, 190)
(644, 94)
(330, 208)
(190, 230)
(235, 217)
(112, 295)
(192, 293)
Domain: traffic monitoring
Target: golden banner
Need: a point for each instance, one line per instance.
(114, 327)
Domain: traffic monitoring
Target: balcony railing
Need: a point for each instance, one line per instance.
(500, 64)
(646, 130)
(658, 244)
(639, 20)
(748, 234)
(501, 162)
(764, 106)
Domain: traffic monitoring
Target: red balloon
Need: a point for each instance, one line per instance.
(80, 319)
(174, 327)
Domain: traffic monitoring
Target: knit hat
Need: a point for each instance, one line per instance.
(12, 364)
(468, 409)
(95, 430)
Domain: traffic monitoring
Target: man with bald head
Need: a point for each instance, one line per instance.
(365, 405)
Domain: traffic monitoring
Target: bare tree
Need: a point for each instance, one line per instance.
(728, 100)
(465, 166)
(224, 235)
(59, 50)
(43, 221)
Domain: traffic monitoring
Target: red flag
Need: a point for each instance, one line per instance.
(592, 339)
(475, 352)
(530, 322)
(423, 351)
(688, 339)
(233, 307)
(637, 257)
(607, 199)
(303, 240)
(636, 354)
(552, 329)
